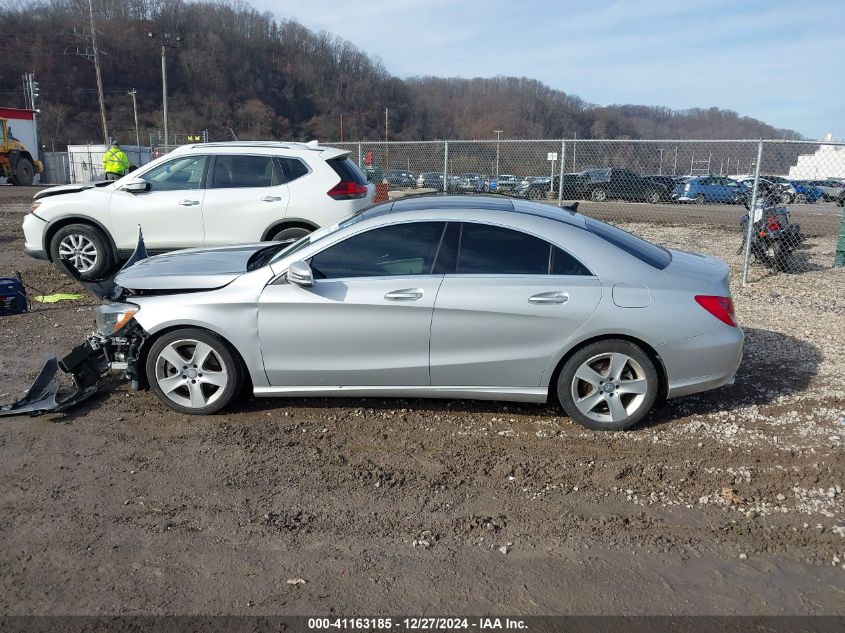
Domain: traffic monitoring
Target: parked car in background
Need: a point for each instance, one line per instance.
(210, 194)
(472, 183)
(459, 297)
(670, 182)
(710, 190)
(599, 185)
(505, 183)
(831, 189)
(537, 187)
(785, 191)
(399, 178)
(430, 180)
(803, 193)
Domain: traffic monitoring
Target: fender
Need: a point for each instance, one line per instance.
(71, 219)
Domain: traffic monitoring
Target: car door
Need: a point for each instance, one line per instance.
(246, 195)
(366, 321)
(169, 212)
(509, 305)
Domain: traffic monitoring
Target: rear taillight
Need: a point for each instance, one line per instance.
(773, 224)
(347, 190)
(720, 307)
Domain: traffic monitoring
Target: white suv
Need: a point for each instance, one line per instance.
(210, 194)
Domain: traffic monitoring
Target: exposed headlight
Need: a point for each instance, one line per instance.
(112, 317)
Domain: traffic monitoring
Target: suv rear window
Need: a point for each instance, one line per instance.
(348, 170)
(655, 256)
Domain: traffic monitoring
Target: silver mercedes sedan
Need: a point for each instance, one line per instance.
(445, 297)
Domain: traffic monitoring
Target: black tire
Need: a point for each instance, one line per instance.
(598, 195)
(801, 198)
(24, 172)
(700, 199)
(653, 197)
(83, 234)
(290, 234)
(222, 361)
(638, 366)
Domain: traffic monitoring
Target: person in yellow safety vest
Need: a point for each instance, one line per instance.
(115, 162)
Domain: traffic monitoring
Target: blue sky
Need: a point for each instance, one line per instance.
(779, 61)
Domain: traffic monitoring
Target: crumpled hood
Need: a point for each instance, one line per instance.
(191, 269)
(73, 188)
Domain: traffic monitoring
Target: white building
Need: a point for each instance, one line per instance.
(827, 162)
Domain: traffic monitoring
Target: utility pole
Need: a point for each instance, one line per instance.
(97, 71)
(167, 40)
(498, 134)
(386, 161)
(574, 140)
(660, 169)
(30, 90)
(132, 94)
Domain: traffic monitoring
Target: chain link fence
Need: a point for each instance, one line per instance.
(690, 194)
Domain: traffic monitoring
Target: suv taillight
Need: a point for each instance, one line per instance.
(720, 307)
(347, 190)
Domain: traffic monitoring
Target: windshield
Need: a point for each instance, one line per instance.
(319, 234)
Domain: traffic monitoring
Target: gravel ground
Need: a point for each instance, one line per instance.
(726, 502)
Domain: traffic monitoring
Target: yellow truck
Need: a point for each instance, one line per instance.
(17, 163)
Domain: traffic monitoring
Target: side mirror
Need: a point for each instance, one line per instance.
(300, 274)
(136, 186)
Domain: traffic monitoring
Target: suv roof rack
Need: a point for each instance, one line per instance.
(312, 145)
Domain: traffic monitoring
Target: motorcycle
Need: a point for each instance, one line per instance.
(773, 236)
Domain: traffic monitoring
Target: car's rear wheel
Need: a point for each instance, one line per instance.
(653, 197)
(290, 234)
(700, 199)
(608, 385)
(193, 371)
(84, 248)
(598, 195)
(801, 198)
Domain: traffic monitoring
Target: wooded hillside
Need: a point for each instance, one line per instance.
(274, 78)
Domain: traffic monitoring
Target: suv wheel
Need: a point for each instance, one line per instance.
(801, 198)
(653, 197)
(84, 248)
(700, 199)
(290, 234)
(598, 195)
(193, 371)
(608, 385)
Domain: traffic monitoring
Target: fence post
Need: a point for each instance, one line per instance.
(359, 155)
(751, 212)
(560, 177)
(839, 258)
(445, 166)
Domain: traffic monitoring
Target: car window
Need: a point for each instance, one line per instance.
(292, 168)
(494, 250)
(399, 249)
(647, 252)
(240, 170)
(177, 174)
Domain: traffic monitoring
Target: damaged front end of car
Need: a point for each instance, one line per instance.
(115, 345)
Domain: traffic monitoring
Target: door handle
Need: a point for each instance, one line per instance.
(549, 298)
(406, 294)
(271, 199)
(189, 203)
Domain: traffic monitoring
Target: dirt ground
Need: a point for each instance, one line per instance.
(726, 502)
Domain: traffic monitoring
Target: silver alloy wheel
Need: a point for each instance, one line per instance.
(654, 197)
(80, 251)
(191, 373)
(599, 195)
(609, 387)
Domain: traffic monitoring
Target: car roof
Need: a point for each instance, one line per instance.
(439, 202)
(249, 147)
